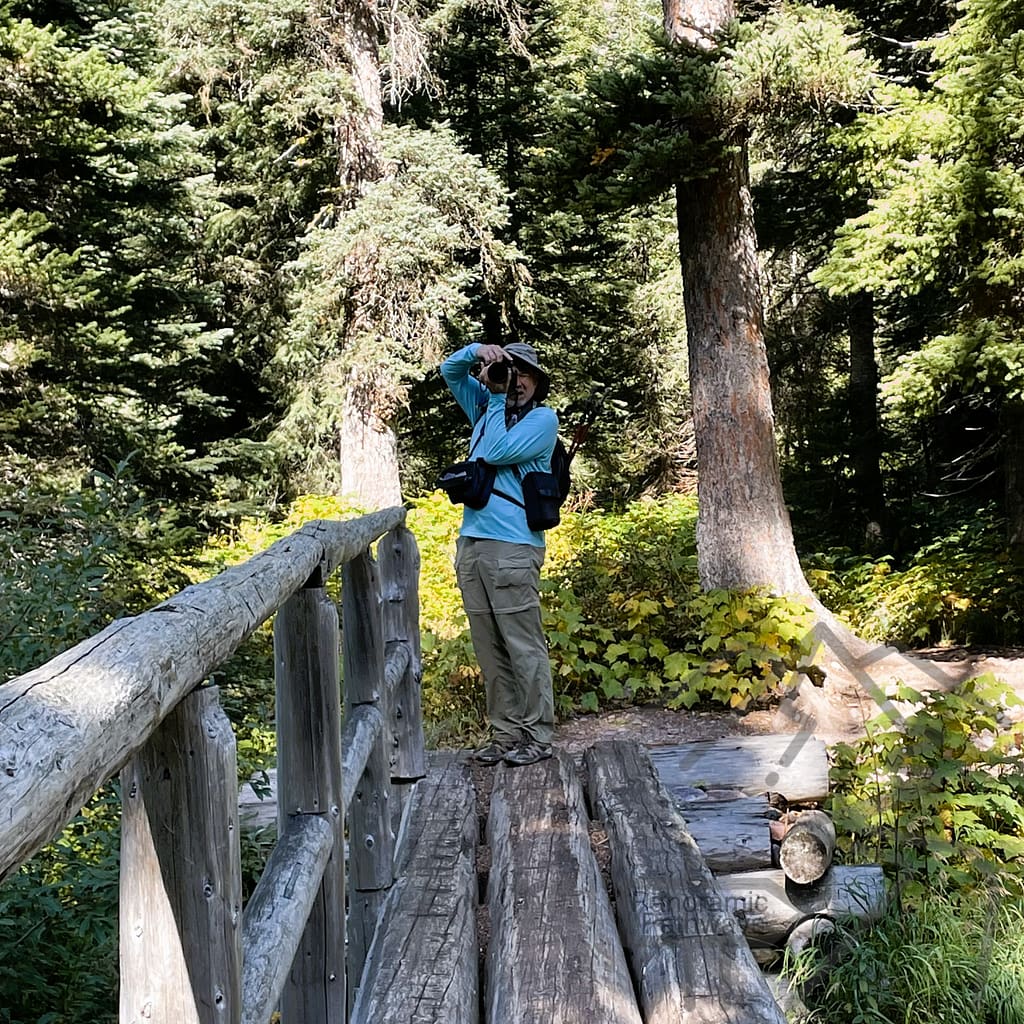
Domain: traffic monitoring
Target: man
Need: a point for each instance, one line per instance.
(498, 557)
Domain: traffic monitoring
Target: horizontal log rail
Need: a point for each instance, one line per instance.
(132, 698)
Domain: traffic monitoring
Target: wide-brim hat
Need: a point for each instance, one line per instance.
(526, 355)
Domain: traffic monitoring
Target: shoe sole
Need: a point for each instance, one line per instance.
(489, 761)
(523, 764)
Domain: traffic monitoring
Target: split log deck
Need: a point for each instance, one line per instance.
(673, 943)
(686, 838)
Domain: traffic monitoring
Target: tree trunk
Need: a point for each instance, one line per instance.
(1013, 462)
(368, 449)
(865, 437)
(358, 133)
(367, 446)
(744, 535)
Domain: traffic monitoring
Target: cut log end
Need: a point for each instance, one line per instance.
(807, 848)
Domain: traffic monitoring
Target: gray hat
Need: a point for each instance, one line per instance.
(527, 356)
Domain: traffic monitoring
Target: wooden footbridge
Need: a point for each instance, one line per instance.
(623, 887)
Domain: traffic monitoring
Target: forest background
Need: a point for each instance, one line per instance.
(237, 237)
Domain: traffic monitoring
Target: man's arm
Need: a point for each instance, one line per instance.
(468, 391)
(532, 438)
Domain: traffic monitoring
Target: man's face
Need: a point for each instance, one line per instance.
(526, 385)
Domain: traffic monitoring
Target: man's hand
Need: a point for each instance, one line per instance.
(489, 355)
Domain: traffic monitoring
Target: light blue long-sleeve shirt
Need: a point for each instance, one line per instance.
(527, 445)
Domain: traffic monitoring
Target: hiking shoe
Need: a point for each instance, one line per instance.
(492, 753)
(528, 753)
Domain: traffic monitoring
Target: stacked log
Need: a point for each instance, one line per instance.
(775, 871)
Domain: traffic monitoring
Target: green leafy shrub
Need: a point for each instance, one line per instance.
(623, 613)
(964, 587)
(58, 924)
(938, 798)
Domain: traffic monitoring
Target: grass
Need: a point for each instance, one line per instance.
(946, 958)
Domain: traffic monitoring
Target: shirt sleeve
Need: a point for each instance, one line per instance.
(468, 391)
(532, 439)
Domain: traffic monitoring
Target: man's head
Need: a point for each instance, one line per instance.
(532, 380)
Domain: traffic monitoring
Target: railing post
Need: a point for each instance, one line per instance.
(181, 889)
(371, 840)
(399, 560)
(306, 652)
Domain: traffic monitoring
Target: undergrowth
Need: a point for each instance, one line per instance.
(935, 795)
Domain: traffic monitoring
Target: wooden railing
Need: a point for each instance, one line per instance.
(133, 698)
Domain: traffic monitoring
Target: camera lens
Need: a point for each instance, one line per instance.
(498, 372)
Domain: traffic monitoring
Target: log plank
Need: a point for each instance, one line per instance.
(69, 725)
(421, 967)
(732, 835)
(768, 906)
(687, 952)
(795, 766)
(554, 953)
(181, 883)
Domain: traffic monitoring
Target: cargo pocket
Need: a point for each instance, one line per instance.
(516, 584)
(467, 573)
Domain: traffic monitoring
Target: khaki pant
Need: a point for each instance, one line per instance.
(500, 584)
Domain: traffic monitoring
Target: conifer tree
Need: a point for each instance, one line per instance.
(108, 337)
(939, 244)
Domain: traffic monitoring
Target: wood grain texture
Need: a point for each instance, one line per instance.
(689, 957)
(69, 725)
(364, 727)
(371, 839)
(794, 766)
(399, 559)
(276, 913)
(768, 906)
(554, 953)
(181, 888)
(422, 965)
(308, 694)
(732, 835)
(807, 848)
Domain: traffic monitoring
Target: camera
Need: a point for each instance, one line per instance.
(500, 372)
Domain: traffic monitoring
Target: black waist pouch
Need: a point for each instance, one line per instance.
(468, 483)
(542, 500)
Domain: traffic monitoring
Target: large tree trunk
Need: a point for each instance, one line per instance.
(865, 437)
(368, 450)
(367, 446)
(744, 535)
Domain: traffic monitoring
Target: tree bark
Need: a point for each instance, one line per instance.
(865, 436)
(744, 536)
(368, 448)
(1013, 462)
